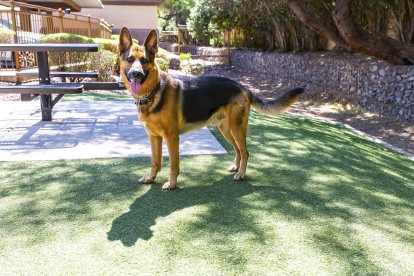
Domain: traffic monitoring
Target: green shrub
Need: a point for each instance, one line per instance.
(68, 61)
(185, 61)
(162, 53)
(5, 35)
(104, 62)
(163, 60)
(196, 69)
(116, 38)
(163, 63)
(107, 44)
(112, 46)
(189, 66)
(65, 38)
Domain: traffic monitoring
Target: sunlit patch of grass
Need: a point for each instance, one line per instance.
(318, 199)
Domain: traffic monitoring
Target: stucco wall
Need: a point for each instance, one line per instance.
(138, 19)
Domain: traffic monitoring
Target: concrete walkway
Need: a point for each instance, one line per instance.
(84, 130)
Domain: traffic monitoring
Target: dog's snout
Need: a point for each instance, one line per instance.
(135, 74)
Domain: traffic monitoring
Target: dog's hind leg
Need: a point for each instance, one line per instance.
(223, 126)
(156, 159)
(238, 124)
(240, 138)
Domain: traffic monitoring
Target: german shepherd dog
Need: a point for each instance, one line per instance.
(169, 106)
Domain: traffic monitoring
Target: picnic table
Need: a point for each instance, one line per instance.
(45, 88)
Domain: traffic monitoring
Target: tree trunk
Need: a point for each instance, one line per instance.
(321, 25)
(342, 29)
(376, 45)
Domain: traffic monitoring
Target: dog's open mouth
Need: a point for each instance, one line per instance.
(136, 86)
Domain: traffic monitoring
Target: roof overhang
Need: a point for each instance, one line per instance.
(133, 2)
(74, 5)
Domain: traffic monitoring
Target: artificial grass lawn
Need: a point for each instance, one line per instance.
(94, 96)
(318, 200)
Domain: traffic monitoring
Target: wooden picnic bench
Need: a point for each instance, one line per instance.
(45, 88)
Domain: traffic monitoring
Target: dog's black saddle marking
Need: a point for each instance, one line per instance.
(203, 96)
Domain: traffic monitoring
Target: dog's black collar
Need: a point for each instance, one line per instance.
(142, 101)
(148, 98)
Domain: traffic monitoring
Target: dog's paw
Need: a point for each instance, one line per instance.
(233, 168)
(146, 180)
(168, 186)
(239, 177)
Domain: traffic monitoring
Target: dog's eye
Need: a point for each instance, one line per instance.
(144, 60)
(130, 59)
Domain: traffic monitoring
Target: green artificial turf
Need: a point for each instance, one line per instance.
(318, 200)
(94, 96)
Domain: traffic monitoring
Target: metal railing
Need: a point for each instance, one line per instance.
(29, 22)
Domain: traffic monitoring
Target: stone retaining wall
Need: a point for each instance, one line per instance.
(206, 53)
(374, 84)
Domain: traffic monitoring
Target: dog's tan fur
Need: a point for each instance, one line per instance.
(166, 115)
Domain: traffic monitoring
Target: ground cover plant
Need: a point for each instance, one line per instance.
(318, 199)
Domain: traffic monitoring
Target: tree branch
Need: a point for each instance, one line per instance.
(169, 16)
(321, 25)
(377, 45)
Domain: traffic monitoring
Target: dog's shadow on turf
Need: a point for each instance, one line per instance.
(136, 224)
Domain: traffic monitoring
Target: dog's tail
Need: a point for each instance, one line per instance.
(277, 106)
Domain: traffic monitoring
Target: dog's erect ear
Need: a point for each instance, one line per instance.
(151, 44)
(125, 40)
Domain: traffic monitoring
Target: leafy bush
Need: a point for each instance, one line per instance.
(5, 35)
(163, 63)
(112, 46)
(107, 44)
(104, 62)
(188, 66)
(185, 58)
(65, 38)
(185, 62)
(196, 69)
(116, 38)
(68, 61)
(163, 59)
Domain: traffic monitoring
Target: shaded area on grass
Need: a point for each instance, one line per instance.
(98, 96)
(136, 223)
(318, 199)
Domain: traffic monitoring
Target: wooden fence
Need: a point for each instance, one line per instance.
(29, 22)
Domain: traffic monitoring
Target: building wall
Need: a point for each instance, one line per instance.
(138, 19)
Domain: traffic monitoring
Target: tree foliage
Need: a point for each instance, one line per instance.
(174, 12)
(383, 28)
(266, 24)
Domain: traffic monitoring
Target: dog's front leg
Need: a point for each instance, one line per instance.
(156, 159)
(173, 142)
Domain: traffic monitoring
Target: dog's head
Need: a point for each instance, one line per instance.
(138, 68)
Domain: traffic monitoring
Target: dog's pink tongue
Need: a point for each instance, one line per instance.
(135, 86)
